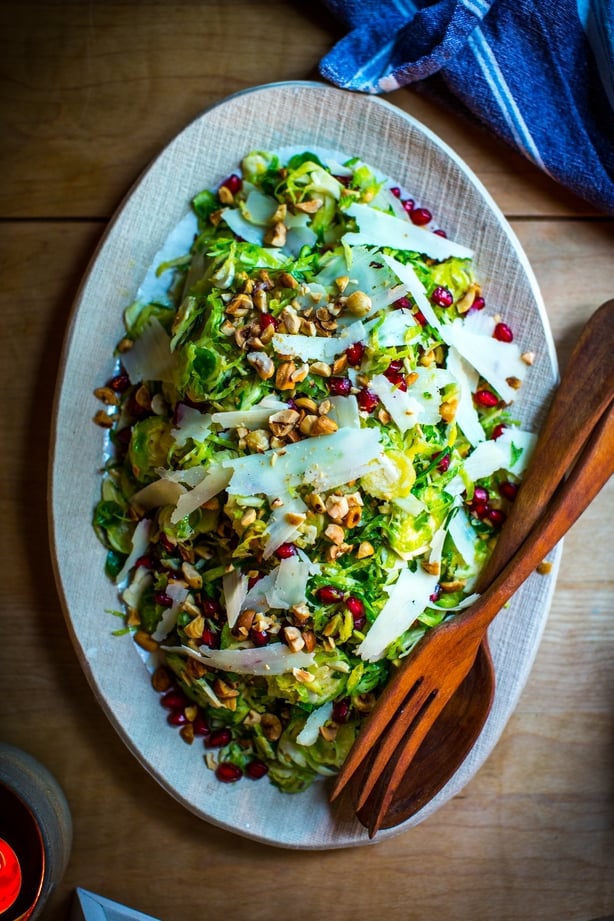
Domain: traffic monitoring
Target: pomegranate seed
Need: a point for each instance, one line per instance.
(357, 610)
(256, 769)
(367, 400)
(341, 710)
(163, 599)
(408, 204)
(496, 516)
(395, 190)
(497, 431)
(119, 383)
(339, 386)
(166, 543)
(355, 352)
(436, 594)
(174, 700)
(259, 637)
(395, 375)
(267, 319)
(210, 607)
(508, 490)
(420, 216)
(217, 738)
(177, 718)
(478, 303)
(440, 233)
(201, 727)
(145, 562)
(329, 594)
(122, 438)
(398, 379)
(402, 303)
(285, 551)
(355, 606)
(480, 494)
(233, 183)
(486, 398)
(444, 463)
(441, 296)
(420, 318)
(210, 638)
(480, 509)
(227, 772)
(503, 333)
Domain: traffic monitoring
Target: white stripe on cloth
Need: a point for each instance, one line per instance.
(372, 68)
(479, 8)
(501, 92)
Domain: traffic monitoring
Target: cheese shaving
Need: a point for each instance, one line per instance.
(274, 659)
(376, 228)
(211, 484)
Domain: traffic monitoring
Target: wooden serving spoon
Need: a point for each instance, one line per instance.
(430, 676)
(460, 724)
(585, 389)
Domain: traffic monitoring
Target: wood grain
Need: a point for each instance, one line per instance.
(89, 92)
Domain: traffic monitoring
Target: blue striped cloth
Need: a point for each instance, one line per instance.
(538, 73)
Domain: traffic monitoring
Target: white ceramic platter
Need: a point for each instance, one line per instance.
(304, 115)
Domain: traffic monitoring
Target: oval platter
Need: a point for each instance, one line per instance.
(301, 115)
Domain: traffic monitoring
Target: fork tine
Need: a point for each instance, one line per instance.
(409, 714)
(382, 792)
(370, 734)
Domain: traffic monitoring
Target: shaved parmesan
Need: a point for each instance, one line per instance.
(284, 524)
(290, 586)
(212, 483)
(376, 228)
(323, 462)
(463, 537)
(259, 208)
(140, 542)
(252, 418)
(316, 719)
(132, 594)
(160, 492)
(150, 358)
(467, 378)
(190, 423)
(419, 404)
(190, 476)
(407, 274)
(407, 599)
(319, 348)
(178, 593)
(345, 412)
(297, 237)
(234, 586)
(256, 598)
(364, 273)
(511, 451)
(494, 360)
(274, 659)
(393, 328)
(239, 225)
(520, 444)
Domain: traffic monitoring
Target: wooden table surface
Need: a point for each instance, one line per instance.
(90, 91)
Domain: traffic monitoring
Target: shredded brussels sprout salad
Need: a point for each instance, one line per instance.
(311, 452)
